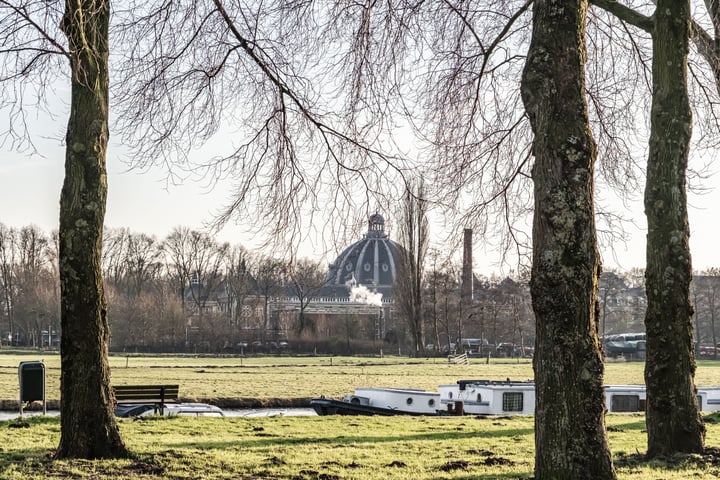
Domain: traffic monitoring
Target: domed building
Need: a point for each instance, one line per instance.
(357, 295)
(371, 262)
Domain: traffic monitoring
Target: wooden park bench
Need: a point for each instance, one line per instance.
(158, 395)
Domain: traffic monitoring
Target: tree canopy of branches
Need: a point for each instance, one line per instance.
(196, 70)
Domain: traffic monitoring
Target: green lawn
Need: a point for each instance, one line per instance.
(330, 448)
(322, 448)
(303, 377)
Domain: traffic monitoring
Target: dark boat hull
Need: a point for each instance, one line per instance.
(327, 406)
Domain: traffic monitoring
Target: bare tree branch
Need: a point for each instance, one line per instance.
(625, 13)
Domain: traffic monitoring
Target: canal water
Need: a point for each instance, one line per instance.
(230, 412)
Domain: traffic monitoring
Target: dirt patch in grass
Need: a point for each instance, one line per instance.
(484, 453)
(494, 461)
(19, 424)
(454, 465)
(144, 468)
(313, 475)
(275, 461)
(709, 458)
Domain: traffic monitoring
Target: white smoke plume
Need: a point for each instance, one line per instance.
(361, 294)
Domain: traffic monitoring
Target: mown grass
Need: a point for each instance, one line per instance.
(286, 377)
(323, 448)
(331, 448)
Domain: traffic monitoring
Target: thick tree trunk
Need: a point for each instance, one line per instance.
(673, 421)
(570, 436)
(88, 426)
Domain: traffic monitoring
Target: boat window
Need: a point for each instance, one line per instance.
(479, 398)
(512, 402)
(625, 403)
(431, 402)
(409, 401)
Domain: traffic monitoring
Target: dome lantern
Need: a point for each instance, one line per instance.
(376, 226)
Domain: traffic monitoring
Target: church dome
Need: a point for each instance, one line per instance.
(371, 262)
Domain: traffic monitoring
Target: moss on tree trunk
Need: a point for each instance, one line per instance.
(88, 425)
(673, 421)
(570, 436)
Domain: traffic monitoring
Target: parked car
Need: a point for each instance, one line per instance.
(707, 351)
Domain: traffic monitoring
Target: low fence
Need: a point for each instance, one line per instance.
(461, 359)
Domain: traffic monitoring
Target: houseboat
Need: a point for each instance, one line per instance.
(483, 397)
(380, 401)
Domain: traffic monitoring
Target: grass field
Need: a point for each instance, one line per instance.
(218, 378)
(322, 448)
(330, 448)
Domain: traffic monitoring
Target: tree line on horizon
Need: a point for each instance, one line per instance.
(151, 299)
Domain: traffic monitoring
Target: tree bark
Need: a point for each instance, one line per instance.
(88, 425)
(570, 436)
(673, 420)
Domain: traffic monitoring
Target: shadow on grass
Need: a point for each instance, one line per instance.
(268, 439)
(30, 421)
(680, 461)
(496, 475)
(39, 463)
(639, 423)
(31, 455)
(472, 468)
(623, 427)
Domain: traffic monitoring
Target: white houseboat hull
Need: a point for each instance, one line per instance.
(405, 400)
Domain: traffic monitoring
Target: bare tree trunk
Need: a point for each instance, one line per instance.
(7, 283)
(88, 426)
(714, 337)
(570, 436)
(408, 285)
(673, 421)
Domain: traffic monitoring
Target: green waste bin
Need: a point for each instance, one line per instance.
(32, 383)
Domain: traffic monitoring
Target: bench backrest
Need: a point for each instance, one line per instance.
(146, 393)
